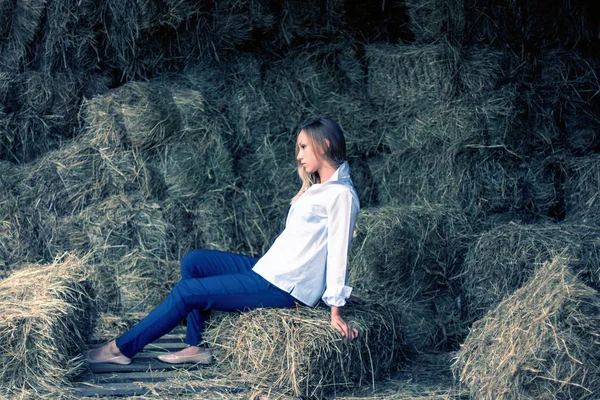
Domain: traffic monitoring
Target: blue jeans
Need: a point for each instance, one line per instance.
(210, 280)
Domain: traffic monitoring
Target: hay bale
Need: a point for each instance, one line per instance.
(25, 21)
(77, 175)
(481, 70)
(189, 32)
(402, 76)
(296, 352)
(144, 280)
(407, 250)
(39, 110)
(269, 180)
(297, 20)
(47, 316)
(433, 20)
(6, 11)
(149, 114)
(67, 41)
(411, 255)
(560, 100)
(11, 249)
(502, 259)
(138, 114)
(555, 24)
(540, 342)
(316, 81)
(482, 180)
(127, 238)
(581, 187)
(463, 152)
(196, 166)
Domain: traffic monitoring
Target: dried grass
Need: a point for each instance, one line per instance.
(25, 21)
(557, 23)
(296, 352)
(47, 315)
(411, 256)
(502, 259)
(405, 76)
(582, 187)
(41, 112)
(435, 20)
(540, 342)
(560, 98)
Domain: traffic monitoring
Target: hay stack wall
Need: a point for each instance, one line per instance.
(137, 132)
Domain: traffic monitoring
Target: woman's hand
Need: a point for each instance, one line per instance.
(337, 322)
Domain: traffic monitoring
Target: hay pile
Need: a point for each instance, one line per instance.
(582, 186)
(502, 259)
(432, 20)
(556, 23)
(46, 317)
(296, 352)
(411, 249)
(135, 191)
(450, 133)
(540, 342)
(410, 256)
(458, 116)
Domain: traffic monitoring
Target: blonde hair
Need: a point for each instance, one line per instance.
(320, 132)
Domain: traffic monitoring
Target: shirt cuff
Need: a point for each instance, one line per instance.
(337, 295)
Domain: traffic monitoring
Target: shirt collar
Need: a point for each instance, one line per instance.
(340, 174)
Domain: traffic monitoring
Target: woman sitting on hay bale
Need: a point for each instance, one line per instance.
(308, 260)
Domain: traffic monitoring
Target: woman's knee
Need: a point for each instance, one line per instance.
(191, 263)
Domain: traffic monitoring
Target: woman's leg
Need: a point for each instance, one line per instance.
(202, 264)
(234, 292)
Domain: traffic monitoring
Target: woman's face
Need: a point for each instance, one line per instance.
(307, 153)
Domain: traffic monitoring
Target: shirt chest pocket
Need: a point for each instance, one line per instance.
(314, 215)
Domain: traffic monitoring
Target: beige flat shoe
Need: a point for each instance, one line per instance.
(202, 358)
(110, 360)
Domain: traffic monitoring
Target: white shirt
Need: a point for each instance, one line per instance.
(309, 259)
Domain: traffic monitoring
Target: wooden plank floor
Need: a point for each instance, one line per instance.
(146, 374)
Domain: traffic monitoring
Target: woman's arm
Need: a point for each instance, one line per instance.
(341, 214)
(338, 323)
(342, 217)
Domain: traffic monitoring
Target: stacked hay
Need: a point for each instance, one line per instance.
(47, 316)
(445, 146)
(268, 102)
(502, 259)
(41, 111)
(559, 96)
(432, 20)
(540, 342)
(407, 75)
(296, 352)
(188, 32)
(529, 22)
(128, 240)
(149, 179)
(411, 256)
(11, 247)
(582, 186)
(24, 19)
(296, 20)
(10, 234)
(325, 80)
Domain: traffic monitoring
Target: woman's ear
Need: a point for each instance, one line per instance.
(328, 144)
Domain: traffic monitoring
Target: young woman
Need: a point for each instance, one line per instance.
(307, 262)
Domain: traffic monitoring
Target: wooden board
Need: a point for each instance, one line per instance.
(146, 374)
